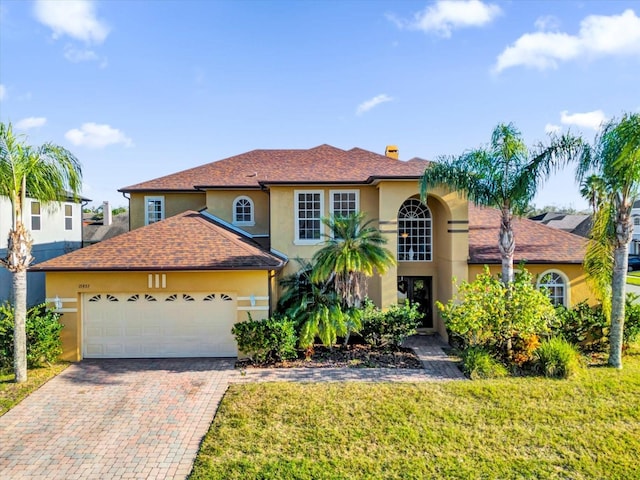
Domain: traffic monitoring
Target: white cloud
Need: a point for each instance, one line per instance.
(551, 128)
(93, 135)
(373, 102)
(30, 122)
(598, 36)
(74, 18)
(444, 16)
(76, 55)
(591, 120)
(546, 23)
(3, 92)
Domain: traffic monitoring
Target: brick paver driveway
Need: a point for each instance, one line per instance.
(114, 419)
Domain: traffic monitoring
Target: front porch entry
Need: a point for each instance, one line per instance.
(418, 290)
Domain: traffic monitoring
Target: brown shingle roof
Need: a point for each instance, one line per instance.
(188, 241)
(535, 243)
(322, 164)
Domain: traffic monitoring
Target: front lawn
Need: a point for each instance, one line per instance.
(582, 428)
(634, 278)
(12, 393)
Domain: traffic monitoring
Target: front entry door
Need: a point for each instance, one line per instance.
(418, 290)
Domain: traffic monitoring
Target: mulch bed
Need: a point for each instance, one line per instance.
(352, 356)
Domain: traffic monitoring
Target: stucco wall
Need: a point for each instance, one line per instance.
(578, 289)
(174, 203)
(71, 285)
(220, 204)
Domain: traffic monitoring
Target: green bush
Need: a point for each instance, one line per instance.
(495, 316)
(43, 336)
(388, 327)
(582, 325)
(631, 331)
(477, 363)
(273, 339)
(557, 358)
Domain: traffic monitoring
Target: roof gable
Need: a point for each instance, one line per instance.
(188, 241)
(322, 164)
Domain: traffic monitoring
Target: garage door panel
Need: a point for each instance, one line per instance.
(167, 325)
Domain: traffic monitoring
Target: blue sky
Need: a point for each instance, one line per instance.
(140, 89)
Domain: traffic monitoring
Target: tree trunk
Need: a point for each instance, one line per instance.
(18, 259)
(507, 245)
(618, 305)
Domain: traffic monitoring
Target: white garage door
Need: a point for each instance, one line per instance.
(158, 325)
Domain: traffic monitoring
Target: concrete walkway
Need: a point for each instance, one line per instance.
(145, 419)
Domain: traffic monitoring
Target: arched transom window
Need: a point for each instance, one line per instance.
(243, 211)
(414, 232)
(555, 286)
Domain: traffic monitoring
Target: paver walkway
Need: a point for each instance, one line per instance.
(145, 419)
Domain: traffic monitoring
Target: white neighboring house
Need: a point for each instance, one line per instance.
(634, 248)
(56, 229)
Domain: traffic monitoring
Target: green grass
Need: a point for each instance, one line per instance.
(634, 278)
(583, 428)
(12, 393)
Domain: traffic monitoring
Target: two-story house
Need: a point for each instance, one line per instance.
(56, 229)
(208, 245)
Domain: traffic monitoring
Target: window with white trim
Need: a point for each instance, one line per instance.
(36, 219)
(636, 221)
(414, 232)
(344, 202)
(154, 209)
(309, 211)
(555, 286)
(243, 211)
(68, 217)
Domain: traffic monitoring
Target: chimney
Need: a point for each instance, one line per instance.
(391, 151)
(107, 218)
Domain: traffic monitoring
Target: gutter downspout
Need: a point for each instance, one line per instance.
(128, 207)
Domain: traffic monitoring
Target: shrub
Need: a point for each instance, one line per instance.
(477, 363)
(557, 358)
(388, 327)
(582, 325)
(43, 336)
(273, 339)
(631, 331)
(495, 316)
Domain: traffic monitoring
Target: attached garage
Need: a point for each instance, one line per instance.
(143, 325)
(122, 298)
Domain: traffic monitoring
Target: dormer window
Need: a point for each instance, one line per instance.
(243, 212)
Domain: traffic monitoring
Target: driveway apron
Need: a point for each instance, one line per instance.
(114, 419)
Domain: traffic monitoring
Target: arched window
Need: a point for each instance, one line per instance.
(556, 287)
(243, 211)
(414, 232)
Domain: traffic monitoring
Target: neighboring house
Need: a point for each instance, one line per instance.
(56, 229)
(209, 244)
(108, 226)
(634, 248)
(578, 224)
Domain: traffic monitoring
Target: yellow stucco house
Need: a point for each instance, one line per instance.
(208, 245)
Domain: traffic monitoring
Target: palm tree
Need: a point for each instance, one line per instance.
(505, 176)
(615, 157)
(351, 253)
(593, 189)
(354, 249)
(46, 173)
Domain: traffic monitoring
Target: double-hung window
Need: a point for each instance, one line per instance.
(36, 219)
(154, 209)
(68, 217)
(309, 208)
(344, 202)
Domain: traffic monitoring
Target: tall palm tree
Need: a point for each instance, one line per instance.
(46, 173)
(593, 189)
(505, 175)
(615, 157)
(353, 250)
